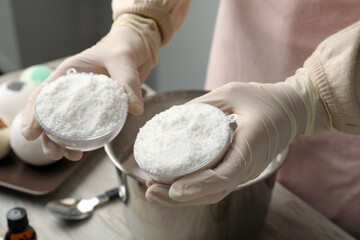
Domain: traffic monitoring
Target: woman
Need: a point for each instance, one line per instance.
(254, 41)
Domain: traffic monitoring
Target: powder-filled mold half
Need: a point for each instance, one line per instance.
(82, 111)
(182, 140)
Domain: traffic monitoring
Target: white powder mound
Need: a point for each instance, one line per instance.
(181, 138)
(81, 105)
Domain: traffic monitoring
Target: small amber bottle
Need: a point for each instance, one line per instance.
(18, 224)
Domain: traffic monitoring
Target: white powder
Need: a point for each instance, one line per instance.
(81, 105)
(181, 138)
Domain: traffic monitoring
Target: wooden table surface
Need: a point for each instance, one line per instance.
(288, 216)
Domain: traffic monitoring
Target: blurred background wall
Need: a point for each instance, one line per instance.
(37, 31)
(33, 32)
(183, 62)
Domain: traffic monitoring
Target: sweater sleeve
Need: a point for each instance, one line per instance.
(168, 14)
(335, 68)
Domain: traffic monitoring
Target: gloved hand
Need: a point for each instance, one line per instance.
(270, 117)
(127, 54)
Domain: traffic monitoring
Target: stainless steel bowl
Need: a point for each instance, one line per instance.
(240, 215)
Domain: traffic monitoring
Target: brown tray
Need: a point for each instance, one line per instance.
(17, 175)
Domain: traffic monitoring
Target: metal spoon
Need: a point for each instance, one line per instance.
(78, 209)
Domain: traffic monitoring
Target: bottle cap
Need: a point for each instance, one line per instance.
(17, 220)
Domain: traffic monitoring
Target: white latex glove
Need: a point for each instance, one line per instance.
(127, 54)
(270, 117)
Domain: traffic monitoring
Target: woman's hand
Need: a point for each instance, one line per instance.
(126, 54)
(270, 117)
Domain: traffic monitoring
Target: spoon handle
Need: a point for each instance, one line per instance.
(108, 196)
(112, 194)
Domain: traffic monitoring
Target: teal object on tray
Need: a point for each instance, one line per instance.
(35, 74)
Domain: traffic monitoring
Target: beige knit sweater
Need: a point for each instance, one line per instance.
(335, 66)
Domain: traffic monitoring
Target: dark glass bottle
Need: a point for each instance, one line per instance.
(18, 225)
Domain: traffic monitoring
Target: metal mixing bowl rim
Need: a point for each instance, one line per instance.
(279, 160)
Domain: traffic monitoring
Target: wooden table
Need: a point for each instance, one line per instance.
(288, 217)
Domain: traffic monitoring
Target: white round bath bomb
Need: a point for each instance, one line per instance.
(29, 151)
(4, 139)
(181, 139)
(35, 74)
(13, 98)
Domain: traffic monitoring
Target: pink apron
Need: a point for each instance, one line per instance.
(266, 41)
